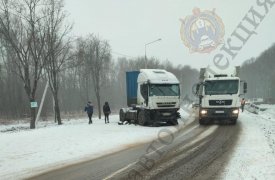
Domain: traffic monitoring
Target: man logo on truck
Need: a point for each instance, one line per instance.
(220, 102)
(202, 32)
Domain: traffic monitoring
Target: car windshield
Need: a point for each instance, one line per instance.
(221, 87)
(164, 90)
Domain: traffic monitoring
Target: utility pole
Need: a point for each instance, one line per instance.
(42, 102)
(145, 50)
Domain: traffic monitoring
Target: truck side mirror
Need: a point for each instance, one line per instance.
(245, 87)
(197, 88)
(144, 91)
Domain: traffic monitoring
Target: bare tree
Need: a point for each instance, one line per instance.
(97, 58)
(24, 34)
(57, 48)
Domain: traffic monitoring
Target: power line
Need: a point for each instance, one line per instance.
(117, 53)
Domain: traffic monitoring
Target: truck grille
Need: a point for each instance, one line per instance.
(166, 104)
(220, 102)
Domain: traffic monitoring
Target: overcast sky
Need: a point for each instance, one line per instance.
(129, 24)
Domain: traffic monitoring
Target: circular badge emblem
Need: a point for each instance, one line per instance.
(202, 32)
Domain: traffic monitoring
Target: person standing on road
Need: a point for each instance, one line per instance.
(242, 104)
(89, 109)
(106, 111)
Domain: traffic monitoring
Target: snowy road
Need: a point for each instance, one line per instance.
(138, 163)
(253, 155)
(244, 151)
(120, 164)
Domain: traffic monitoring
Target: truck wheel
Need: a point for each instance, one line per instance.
(122, 116)
(143, 117)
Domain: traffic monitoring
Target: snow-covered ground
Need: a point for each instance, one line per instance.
(27, 152)
(254, 153)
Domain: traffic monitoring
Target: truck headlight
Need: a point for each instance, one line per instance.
(236, 111)
(203, 112)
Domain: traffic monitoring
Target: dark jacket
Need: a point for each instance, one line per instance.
(242, 102)
(106, 109)
(89, 109)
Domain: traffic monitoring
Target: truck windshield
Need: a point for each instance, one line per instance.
(221, 87)
(164, 90)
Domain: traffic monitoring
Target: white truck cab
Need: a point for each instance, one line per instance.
(157, 89)
(153, 97)
(219, 93)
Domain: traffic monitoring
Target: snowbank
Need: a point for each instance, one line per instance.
(254, 155)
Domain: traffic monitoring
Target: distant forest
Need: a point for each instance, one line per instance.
(77, 87)
(260, 75)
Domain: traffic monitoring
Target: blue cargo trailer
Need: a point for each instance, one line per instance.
(132, 85)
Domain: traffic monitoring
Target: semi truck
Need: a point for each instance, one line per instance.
(153, 98)
(219, 93)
